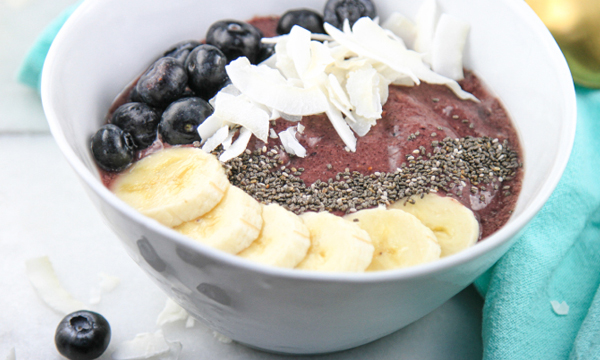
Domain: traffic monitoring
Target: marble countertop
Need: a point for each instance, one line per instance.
(44, 211)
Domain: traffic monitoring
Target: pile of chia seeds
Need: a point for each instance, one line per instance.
(455, 165)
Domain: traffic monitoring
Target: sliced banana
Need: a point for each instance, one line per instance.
(283, 240)
(400, 239)
(173, 185)
(453, 224)
(231, 226)
(336, 244)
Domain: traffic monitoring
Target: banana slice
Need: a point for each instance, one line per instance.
(283, 240)
(453, 224)
(173, 185)
(336, 244)
(231, 226)
(400, 239)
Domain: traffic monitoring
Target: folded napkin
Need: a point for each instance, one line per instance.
(556, 260)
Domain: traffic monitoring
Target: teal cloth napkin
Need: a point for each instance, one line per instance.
(557, 258)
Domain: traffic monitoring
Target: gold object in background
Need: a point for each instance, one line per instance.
(575, 24)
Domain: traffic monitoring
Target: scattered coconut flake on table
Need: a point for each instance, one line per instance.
(171, 313)
(44, 280)
(147, 346)
(106, 284)
(560, 308)
(222, 338)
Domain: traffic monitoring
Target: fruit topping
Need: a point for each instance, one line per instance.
(82, 335)
(453, 224)
(138, 119)
(283, 241)
(336, 244)
(400, 239)
(112, 148)
(174, 185)
(336, 11)
(180, 120)
(308, 19)
(265, 52)
(235, 39)
(205, 66)
(162, 83)
(231, 226)
(181, 50)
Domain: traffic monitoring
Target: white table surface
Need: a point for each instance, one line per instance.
(45, 212)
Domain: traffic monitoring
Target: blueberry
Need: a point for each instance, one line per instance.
(235, 39)
(206, 70)
(266, 51)
(112, 148)
(308, 19)
(162, 83)
(180, 51)
(181, 119)
(337, 10)
(82, 335)
(138, 119)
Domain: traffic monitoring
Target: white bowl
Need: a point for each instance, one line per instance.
(107, 43)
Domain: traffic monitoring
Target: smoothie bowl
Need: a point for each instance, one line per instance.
(319, 162)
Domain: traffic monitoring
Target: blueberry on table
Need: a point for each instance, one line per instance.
(308, 19)
(180, 120)
(82, 335)
(112, 148)
(235, 39)
(162, 83)
(206, 70)
(138, 119)
(180, 51)
(337, 10)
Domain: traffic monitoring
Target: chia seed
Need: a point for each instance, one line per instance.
(467, 163)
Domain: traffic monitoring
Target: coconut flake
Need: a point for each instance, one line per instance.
(282, 97)
(172, 312)
(448, 45)
(227, 142)
(342, 128)
(218, 137)
(426, 21)
(45, 282)
(190, 322)
(363, 88)
(402, 27)
(238, 146)
(273, 134)
(106, 284)
(222, 338)
(560, 308)
(148, 346)
(210, 126)
(300, 128)
(290, 143)
(240, 110)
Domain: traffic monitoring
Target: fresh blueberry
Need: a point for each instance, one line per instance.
(112, 148)
(82, 335)
(337, 10)
(206, 70)
(266, 51)
(308, 19)
(138, 119)
(181, 119)
(235, 39)
(162, 83)
(180, 51)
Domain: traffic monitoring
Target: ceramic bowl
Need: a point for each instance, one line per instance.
(107, 43)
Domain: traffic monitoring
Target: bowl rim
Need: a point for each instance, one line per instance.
(497, 239)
